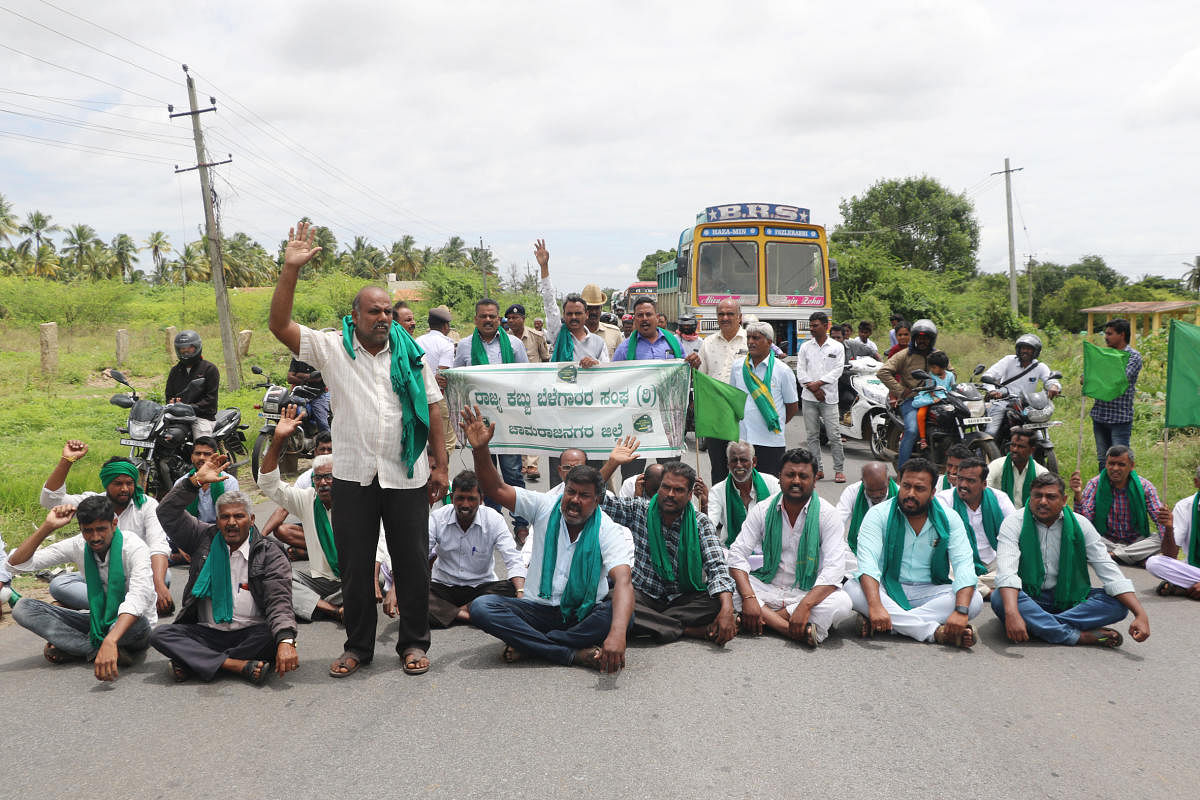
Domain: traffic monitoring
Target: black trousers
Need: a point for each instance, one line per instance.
(770, 459)
(446, 600)
(717, 460)
(203, 649)
(664, 621)
(357, 511)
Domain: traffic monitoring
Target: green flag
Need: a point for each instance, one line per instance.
(1183, 375)
(1104, 372)
(719, 407)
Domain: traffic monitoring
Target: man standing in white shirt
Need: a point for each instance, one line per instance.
(819, 364)
(718, 352)
(982, 510)
(439, 355)
(120, 589)
(387, 413)
(771, 401)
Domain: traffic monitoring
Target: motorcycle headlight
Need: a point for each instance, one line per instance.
(976, 408)
(1039, 414)
(140, 430)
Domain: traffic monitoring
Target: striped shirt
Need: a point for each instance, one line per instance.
(1120, 526)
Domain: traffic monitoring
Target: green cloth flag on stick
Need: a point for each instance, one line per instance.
(719, 407)
(1104, 372)
(1183, 375)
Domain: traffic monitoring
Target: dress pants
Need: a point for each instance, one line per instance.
(1042, 622)
(664, 620)
(538, 629)
(1173, 571)
(932, 604)
(770, 459)
(69, 630)
(203, 649)
(357, 511)
(446, 600)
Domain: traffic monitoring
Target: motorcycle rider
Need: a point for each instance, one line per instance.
(189, 349)
(896, 375)
(1019, 372)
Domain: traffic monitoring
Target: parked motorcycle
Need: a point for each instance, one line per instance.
(275, 400)
(867, 417)
(959, 417)
(1032, 411)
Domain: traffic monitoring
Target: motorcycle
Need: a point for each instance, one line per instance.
(278, 397)
(867, 417)
(959, 417)
(1032, 411)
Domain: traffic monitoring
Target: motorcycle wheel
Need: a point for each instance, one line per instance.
(260, 446)
(988, 450)
(163, 471)
(875, 438)
(1051, 462)
(236, 452)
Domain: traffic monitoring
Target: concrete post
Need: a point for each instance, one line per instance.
(48, 338)
(122, 346)
(171, 331)
(243, 343)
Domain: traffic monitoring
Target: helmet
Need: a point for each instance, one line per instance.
(1029, 340)
(923, 327)
(608, 318)
(188, 339)
(686, 323)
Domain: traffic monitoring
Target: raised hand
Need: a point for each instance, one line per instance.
(541, 254)
(290, 419)
(300, 250)
(74, 450)
(210, 470)
(625, 450)
(479, 432)
(60, 517)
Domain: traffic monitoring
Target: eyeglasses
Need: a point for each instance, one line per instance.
(318, 477)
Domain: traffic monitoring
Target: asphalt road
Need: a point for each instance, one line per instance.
(760, 718)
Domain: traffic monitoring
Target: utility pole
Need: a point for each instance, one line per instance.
(483, 266)
(233, 375)
(1012, 249)
(1029, 272)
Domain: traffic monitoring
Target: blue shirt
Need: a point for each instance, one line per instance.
(918, 549)
(659, 349)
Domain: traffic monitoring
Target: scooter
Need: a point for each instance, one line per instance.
(867, 417)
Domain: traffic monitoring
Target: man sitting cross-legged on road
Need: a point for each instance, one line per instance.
(981, 509)
(731, 499)
(906, 548)
(1183, 533)
(797, 591)
(1123, 506)
(570, 618)
(319, 590)
(237, 606)
(681, 582)
(1043, 589)
(860, 497)
(463, 540)
(287, 527)
(1014, 473)
(120, 589)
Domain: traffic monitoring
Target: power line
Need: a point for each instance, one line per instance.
(81, 74)
(59, 119)
(70, 100)
(88, 148)
(112, 32)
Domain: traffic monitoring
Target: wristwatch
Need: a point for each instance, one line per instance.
(964, 610)
(291, 641)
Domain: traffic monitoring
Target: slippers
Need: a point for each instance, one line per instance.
(412, 658)
(56, 656)
(965, 640)
(865, 629)
(588, 657)
(256, 672)
(178, 671)
(1107, 637)
(346, 661)
(809, 639)
(839, 477)
(510, 654)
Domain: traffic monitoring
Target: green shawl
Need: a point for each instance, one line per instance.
(691, 563)
(325, 534)
(861, 507)
(1073, 580)
(1138, 514)
(408, 384)
(214, 580)
(735, 509)
(103, 603)
(479, 356)
(761, 391)
(587, 565)
(991, 524)
(114, 468)
(214, 489)
(672, 342)
(946, 481)
(1193, 554)
(893, 551)
(808, 549)
(1007, 482)
(564, 345)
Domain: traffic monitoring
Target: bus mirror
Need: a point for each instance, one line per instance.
(681, 262)
(833, 269)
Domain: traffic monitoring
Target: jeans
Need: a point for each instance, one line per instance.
(319, 408)
(538, 629)
(69, 590)
(817, 414)
(996, 410)
(68, 630)
(511, 470)
(1098, 610)
(909, 439)
(1107, 434)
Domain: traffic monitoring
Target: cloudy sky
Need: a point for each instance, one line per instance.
(605, 127)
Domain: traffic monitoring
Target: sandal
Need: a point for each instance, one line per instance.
(178, 671)
(511, 655)
(809, 639)
(412, 658)
(965, 640)
(1107, 637)
(865, 629)
(347, 662)
(1168, 589)
(588, 657)
(256, 672)
(56, 656)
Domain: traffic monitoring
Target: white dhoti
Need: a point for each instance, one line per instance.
(1173, 571)
(932, 604)
(824, 615)
(1135, 552)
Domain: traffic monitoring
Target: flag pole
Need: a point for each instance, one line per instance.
(1163, 492)
(1082, 417)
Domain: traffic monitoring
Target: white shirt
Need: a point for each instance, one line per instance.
(592, 345)
(466, 558)
(845, 505)
(368, 425)
(616, 546)
(204, 499)
(975, 516)
(820, 362)
(995, 474)
(462, 356)
(1010, 366)
(716, 499)
(783, 390)
(1182, 513)
(5, 575)
(140, 597)
(717, 353)
(245, 610)
(299, 502)
(1008, 555)
(438, 347)
(141, 522)
(628, 487)
(833, 544)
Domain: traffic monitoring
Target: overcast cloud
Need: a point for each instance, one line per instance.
(605, 127)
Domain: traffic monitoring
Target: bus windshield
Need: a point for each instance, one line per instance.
(727, 269)
(795, 274)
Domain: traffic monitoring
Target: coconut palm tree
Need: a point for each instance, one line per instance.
(454, 251)
(159, 246)
(192, 264)
(1191, 281)
(79, 245)
(404, 258)
(37, 227)
(45, 263)
(124, 250)
(8, 220)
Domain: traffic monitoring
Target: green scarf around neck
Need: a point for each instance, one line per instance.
(325, 534)
(991, 524)
(946, 482)
(672, 342)
(104, 602)
(479, 356)
(735, 509)
(760, 390)
(893, 551)
(214, 489)
(690, 575)
(114, 468)
(409, 385)
(862, 504)
(1073, 581)
(564, 345)
(808, 549)
(214, 580)
(587, 565)
(1007, 482)
(1138, 513)
(1193, 553)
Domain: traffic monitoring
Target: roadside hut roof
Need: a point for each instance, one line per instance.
(1141, 307)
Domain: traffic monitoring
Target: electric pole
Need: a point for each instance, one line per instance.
(1012, 249)
(1029, 272)
(483, 266)
(233, 376)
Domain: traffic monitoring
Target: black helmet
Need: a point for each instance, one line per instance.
(922, 327)
(686, 323)
(1029, 340)
(189, 339)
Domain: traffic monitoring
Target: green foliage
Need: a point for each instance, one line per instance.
(648, 269)
(1062, 307)
(997, 320)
